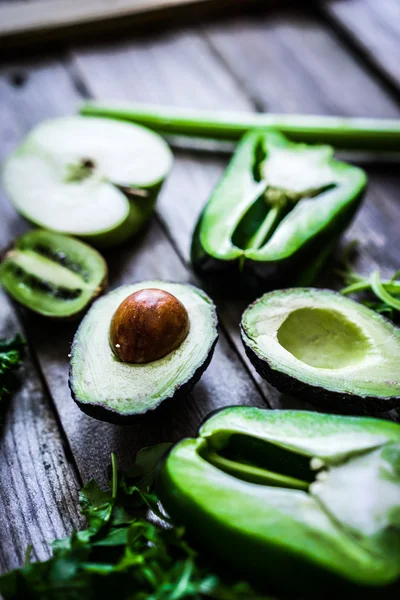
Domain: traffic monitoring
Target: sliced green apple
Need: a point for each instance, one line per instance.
(90, 177)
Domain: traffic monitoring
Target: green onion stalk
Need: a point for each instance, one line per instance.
(344, 133)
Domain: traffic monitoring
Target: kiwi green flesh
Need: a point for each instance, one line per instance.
(82, 172)
(309, 341)
(111, 390)
(53, 274)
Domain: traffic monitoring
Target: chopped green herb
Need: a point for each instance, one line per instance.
(120, 555)
(11, 354)
(385, 293)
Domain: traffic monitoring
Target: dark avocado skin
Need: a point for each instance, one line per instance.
(319, 396)
(102, 413)
(262, 276)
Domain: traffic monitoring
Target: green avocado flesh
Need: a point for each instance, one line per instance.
(277, 202)
(53, 274)
(318, 343)
(107, 388)
(91, 177)
(295, 498)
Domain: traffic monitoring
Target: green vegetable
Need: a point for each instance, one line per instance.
(324, 348)
(122, 556)
(115, 391)
(94, 178)
(52, 274)
(11, 355)
(387, 292)
(278, 209)
(308, 501)
(341, 132)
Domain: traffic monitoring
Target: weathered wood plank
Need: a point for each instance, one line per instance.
(290, 63)
(286, 63)
(151, 256)
(374, 27)
(38, 485)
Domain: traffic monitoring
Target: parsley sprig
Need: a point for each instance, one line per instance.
(121, 555)
(11, 355)
(382, 295)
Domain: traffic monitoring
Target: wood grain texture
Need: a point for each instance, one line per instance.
(41, 21)
(291, 63)
(151, 256)
(153, 70)
(284, 63)
(38, 486)
(374, 27)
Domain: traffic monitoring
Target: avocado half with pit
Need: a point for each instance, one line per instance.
(324, 348)
(298, 501)
(134, 350)
(53, 274)
(94, 178)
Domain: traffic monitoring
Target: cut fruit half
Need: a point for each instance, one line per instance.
(111, 390)
(53, 274)
(91, 177)
(322, 347)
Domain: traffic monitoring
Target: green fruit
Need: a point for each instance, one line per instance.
(277, 211)
(90, 177)
(107, 388)
(293, 500)
(53, 274)
(320, 346)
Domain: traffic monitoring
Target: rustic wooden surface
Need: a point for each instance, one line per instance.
(339, 58)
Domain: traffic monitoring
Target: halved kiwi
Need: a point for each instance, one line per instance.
(53, 274)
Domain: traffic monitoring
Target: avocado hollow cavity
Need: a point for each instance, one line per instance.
(323, 347)
(52, 274)
(323, 338)
(107, 388)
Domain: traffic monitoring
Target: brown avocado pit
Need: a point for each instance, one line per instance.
(148, 325)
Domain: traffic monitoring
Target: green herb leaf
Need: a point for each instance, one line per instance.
(120, 555)
(11, 355)
(386, 292)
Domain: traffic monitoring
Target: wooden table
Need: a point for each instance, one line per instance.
(342, 57)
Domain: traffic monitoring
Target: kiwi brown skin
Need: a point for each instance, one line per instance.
(316, 395)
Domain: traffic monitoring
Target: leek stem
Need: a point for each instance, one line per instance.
(345, 133)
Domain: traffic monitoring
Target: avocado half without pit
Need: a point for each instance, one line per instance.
(53, 274)
(303, 500)
(140, 345)
(324, 348)
(91, 177)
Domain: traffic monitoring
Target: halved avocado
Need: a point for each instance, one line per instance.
(302, 501)
(90, 177)
(111, 390)
(53, 274)
(324, 348)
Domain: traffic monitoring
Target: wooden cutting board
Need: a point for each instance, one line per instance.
(39, 21)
